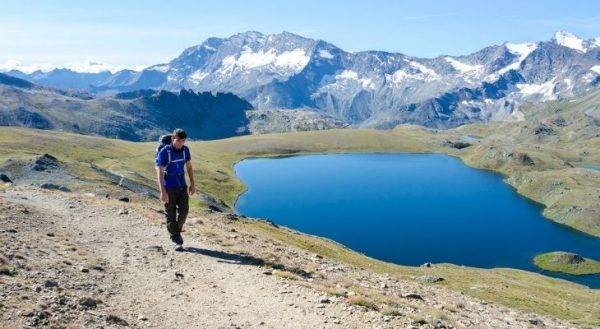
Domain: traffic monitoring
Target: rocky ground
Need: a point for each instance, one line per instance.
(71, 260)
(272, 121)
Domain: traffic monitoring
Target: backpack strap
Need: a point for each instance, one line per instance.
(169, 154)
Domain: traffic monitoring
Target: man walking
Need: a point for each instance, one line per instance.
(172, 161)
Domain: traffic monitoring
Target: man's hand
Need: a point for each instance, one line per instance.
(192, 189)
(164, 197)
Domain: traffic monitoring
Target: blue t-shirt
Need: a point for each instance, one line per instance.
(175, 169)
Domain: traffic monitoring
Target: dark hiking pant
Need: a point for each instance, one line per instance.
(176, 210)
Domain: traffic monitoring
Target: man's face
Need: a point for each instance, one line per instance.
(178, 142)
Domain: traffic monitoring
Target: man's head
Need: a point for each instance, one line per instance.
(179, 137)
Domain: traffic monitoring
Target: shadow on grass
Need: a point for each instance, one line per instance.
(226, 257)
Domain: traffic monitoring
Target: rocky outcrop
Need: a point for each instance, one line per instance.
(272, 121)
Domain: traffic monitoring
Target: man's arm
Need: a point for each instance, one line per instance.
(190, 171)
(160, 176)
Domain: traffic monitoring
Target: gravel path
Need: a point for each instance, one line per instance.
(81, 260)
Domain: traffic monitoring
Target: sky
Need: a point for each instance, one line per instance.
(118, 34)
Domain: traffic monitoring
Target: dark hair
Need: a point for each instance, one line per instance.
(179, 133)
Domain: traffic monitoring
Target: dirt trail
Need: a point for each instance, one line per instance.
(146, 283)
(77, 260)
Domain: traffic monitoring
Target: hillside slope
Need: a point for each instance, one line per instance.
(141, 115)
(545, 163)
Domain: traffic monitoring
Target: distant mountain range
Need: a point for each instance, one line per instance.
(145, 114)
(368, 88)
(139, 115)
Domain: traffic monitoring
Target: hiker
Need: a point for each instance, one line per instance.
(172, 160)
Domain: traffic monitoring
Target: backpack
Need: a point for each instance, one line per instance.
(164, 141)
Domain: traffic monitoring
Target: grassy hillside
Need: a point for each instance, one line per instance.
(565, 262)
(542, 157)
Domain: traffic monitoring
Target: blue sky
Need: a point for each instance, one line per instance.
(138, 33)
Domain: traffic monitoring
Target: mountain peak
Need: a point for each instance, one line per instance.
(249, 35)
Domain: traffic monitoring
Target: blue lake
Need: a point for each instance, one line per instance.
(409, 209)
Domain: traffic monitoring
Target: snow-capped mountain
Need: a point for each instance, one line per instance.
(372, 88)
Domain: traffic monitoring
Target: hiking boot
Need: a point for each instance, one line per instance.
(177, 239)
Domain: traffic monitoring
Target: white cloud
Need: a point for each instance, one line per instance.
(91, 66)
(12, 64)
(86, 66)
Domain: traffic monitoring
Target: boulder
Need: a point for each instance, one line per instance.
(45, 162)
(52, 186)
(4, 178)
(89, 303)
(457, 145)
(430, 279)
(544, 130)
(568, 258)
(522, 158)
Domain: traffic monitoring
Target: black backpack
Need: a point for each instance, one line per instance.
(163, 141)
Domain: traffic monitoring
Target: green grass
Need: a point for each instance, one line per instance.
(286, 275)
(557, 262)
(362, 301)
(570, 195)
(520, 289)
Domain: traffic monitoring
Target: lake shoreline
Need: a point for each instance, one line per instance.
(403, 155)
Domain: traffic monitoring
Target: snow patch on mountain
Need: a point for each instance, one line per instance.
(520, 49)
(569, 40)
(546, 90)
(325, 54)
(159, 68)
(462, 67)
(349, 75)
(293, 61)
(198, 76)
(398, 76)
(595, 68)
(428, 74)
(250, 59)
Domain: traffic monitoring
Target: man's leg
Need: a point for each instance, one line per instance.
(171, 214)
(183, 208)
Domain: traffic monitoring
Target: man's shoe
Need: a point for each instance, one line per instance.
(178, 239)
(178, 247)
